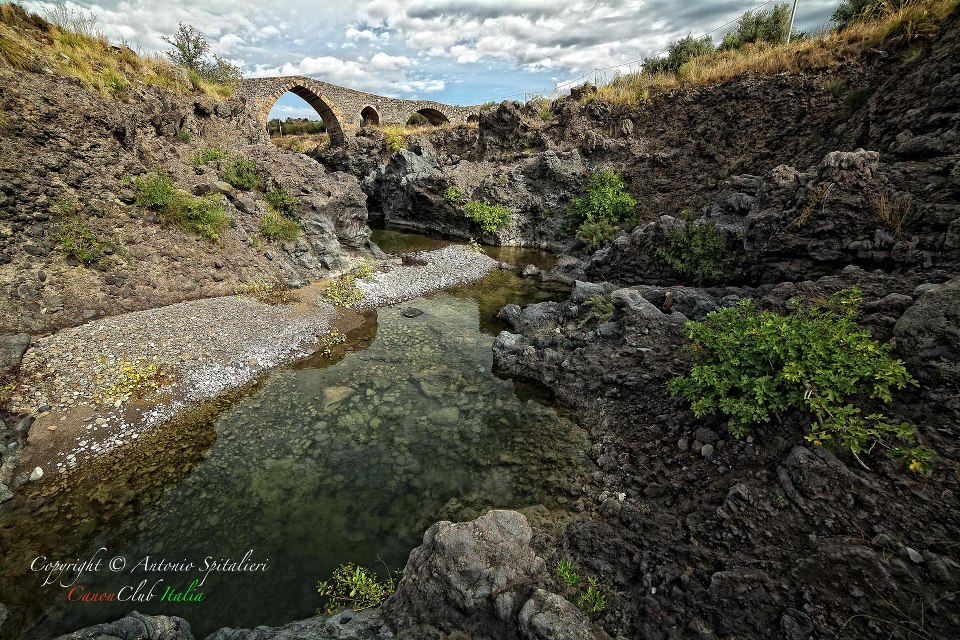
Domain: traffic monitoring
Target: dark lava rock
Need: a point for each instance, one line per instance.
(12, 348)
(136, 626)
(411, 312)
(928, 334)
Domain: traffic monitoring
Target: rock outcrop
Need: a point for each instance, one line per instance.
(480, 579)
(136, 626)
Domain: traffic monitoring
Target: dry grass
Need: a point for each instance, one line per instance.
(30, 43)
(895, 212)
(302, 143)
(914, 24)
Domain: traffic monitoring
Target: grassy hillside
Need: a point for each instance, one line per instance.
(29, 42)
(904, 31)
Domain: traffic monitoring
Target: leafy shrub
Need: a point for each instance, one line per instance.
(586, 595)
(279, 227)
(695, 251)
(454, 196)
(895, 212)
(597, 233)
(489, 217)
(154, 190)
(207, 154)
(78, 242)
(330, 340)
(354, 587)
(280, 199)
(678, 54)
(202, 215)
(598, 308)
(606, 199)
(241, 174)
(750, 365)
(394, 139)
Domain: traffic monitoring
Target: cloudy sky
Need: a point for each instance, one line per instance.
(455, 51)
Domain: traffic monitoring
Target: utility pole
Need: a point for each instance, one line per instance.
(793, 14)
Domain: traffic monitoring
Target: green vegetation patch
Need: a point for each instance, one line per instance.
(751, 366)
(274, 226)
(354, 587)
(203, 215)
(586, 594)
(280, 200)
(78, 242)
(241, 174)
(596, 216)
(490, 217)
(343, 291)
(454, 196)
(208, 154)
(697, 251)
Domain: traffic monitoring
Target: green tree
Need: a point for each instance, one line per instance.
(851, 11)
(190, 48)
(679, 53)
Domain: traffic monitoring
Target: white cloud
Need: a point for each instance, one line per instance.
(383, 74)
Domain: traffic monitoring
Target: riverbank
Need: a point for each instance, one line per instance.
(80, 385)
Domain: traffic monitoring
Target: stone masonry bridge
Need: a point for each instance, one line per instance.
(344, 110)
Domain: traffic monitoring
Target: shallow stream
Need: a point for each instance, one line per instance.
(333, 460)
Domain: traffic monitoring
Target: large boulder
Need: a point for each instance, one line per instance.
(475, 578)
(12, 348)
(346, 625)
(928, 335)
(135, 626)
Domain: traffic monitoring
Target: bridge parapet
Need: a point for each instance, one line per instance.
(343, 109)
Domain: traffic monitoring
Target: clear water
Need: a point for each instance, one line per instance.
(325, 463)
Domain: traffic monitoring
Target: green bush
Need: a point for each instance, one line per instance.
(585, 594)
(750, 366)
(678, 54)
(279, 227)
(769, 26)
(201, 215)
(208, 154)
(184, 135)
(78, 242)
(281, 200)
(454, 196)
(597, 233)
(850, 11)
(489, 217)
(598, 308)
(154, 190)
(606, 199)
(695, 251)
(354, 587)
(241, 174)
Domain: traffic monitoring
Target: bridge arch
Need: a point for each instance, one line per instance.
(331, 117)
(369, 116)
(433, 116)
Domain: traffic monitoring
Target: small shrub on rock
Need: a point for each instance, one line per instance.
(598, 308)
(280, 200)
(78, 242)
(201, 215)
(695, 251)
(454, 196)
(343, 291)
(241, 174)
(586, 594)
(354, 587)
(751, 366)
(597, 233)
(207, 154)
(895, 212)
(154, 190)
(490, 217)
(606, 198)
(279, 227)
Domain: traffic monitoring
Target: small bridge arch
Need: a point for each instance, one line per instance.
(343, 110)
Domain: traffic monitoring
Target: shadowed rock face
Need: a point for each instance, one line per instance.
(136, 626)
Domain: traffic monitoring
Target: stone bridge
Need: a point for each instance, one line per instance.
(344, 110)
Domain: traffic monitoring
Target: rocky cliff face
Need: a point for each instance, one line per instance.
(67, 149)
